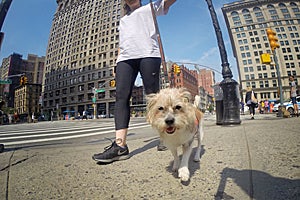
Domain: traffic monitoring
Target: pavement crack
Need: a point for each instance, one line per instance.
(8, 171)
(15, 163)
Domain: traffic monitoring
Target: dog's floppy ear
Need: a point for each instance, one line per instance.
(185, 94)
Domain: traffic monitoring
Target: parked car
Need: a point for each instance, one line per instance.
(288, 105)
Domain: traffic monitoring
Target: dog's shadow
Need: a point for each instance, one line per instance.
(193, 166)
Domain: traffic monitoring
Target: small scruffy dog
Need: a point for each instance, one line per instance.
(177, 121)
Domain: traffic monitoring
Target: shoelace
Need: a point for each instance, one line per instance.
(110, 146)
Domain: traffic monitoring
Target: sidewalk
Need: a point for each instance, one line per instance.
(258, 159)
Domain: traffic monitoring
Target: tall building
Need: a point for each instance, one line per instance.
(206, 79)
(35, 68)
(247, 22)
(23, 97)
(11, 67)
(81, 55)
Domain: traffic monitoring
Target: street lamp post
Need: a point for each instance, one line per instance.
(231, 112)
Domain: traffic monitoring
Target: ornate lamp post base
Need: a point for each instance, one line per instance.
(231, 102)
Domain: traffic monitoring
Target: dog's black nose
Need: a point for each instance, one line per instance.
(169, 120)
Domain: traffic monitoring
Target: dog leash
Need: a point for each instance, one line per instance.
(163, 61)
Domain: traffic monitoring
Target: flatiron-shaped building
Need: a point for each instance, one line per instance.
(81, 54)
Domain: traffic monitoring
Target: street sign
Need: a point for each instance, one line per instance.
(8, 81)
(94, 99)
(99, 90)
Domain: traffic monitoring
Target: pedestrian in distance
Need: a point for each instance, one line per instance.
(267, 106)
(294, 95)
(84, 115)
(251, 101)
(242, 105)
(139, 52)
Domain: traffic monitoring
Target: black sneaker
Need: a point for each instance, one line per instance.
(112, 153)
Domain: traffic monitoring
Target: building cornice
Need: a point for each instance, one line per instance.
(238, 5)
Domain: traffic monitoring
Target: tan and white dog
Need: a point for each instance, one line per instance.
(178, 122)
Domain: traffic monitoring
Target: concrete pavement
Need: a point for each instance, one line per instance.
(258, 159)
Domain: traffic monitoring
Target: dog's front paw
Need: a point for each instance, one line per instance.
(184, 174)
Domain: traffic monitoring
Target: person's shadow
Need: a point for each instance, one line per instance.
(259, 185)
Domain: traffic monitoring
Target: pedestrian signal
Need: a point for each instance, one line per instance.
(265, 58)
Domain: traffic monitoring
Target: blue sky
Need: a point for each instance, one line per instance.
(187, 32)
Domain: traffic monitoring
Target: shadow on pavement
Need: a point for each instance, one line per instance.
(154, 142)
(150, 144)
(259, 185)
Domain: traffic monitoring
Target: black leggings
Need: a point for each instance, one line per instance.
(126, 73)
(252, 108)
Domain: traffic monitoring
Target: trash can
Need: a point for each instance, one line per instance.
(218, 94)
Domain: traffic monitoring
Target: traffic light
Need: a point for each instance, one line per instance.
(176, 69)
(22, 80)
(25, 80)
(112, 83)
(272, 39)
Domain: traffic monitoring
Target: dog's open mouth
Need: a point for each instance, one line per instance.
(170, 130)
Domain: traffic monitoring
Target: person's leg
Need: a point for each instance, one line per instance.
(126, 73)
(295, 105)
(150, 71)
(251, 110)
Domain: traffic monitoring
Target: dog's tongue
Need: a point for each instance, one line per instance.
(170, 130)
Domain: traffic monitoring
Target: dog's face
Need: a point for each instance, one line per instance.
(170, 111)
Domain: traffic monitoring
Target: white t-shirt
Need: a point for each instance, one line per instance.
(138, 37)
(293, 89)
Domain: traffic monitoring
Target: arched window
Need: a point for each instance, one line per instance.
(285, 12)
(258, 14)
(293, 4)
(234, 13)
(281, 5)
(236, 18)
(272, 11)
(295, 9)
(247, 16)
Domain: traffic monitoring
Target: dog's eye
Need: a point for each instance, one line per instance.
(161, 108)
(177, 107)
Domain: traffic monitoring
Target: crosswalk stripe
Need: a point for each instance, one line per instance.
(57, 129)
(68, 137)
